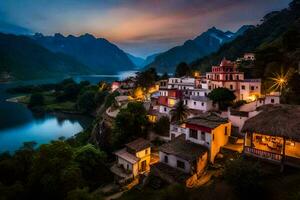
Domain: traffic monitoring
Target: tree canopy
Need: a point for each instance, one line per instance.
(223, 96)
(182, 69)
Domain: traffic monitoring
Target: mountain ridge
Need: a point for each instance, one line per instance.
(100, 55)
(204, 44)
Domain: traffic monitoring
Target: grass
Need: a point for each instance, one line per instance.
(50, 103)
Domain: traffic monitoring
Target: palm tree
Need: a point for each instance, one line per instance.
(180, 112)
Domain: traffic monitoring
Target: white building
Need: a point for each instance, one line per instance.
(182, 83)
(226, 75)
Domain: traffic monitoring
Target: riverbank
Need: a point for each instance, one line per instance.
(50, 105)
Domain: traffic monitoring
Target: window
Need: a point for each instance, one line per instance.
(243, 87)
(226, 130)
(146, 151)
(237, 77)
(202, 135)
(272, 101)
(252, 87)
(180, 164)
(213, 137)
(195, 102)
(193, 134)
(165, 109)
(202, 104)
(231, 87)
(166, 159)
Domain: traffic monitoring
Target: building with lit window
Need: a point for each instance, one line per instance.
(227, 75)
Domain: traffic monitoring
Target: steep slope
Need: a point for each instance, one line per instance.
(22, 58)
(97, 53)
(206, 43)
(258, 40)
(137, 61)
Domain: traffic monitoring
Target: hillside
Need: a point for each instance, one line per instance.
(22, 58)
(267, 40)
(98, 54)
(205, 44)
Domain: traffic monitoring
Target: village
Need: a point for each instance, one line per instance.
(202, 134)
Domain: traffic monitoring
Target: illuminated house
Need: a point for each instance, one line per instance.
(226, 75)
(182, 83)
(274, 134)
(181, 161)
(167, 99)
(196, 99)
(207, 129)
(132, 160)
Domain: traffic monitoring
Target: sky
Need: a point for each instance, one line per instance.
(140, 27)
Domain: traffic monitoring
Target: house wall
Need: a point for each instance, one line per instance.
(131, 167)
(199, 105)
(172, 161)
(239, 121)
(176, 130)
(164, 109)
(144, 156)
(206, 142)
(248, 89)
(219, 139)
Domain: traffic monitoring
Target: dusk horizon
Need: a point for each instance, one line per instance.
(141, 28)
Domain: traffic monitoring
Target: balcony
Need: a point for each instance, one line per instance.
(275, 157)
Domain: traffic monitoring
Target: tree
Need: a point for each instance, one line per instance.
(182, 69)
(91, 162)
(223, 96)
(180, 112)
(146, 78)
(86, 102)
(164, 76)
(245, 176)
(54, 172)
(80, 194)
(130, 123)
(162, 126)
(36, 99)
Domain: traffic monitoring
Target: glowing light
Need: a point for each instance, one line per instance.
(280, 80)
(138, 93)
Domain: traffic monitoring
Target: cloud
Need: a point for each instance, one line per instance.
(148, 24)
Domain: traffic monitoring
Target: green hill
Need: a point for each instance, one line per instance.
(23, 58)
(275, 42)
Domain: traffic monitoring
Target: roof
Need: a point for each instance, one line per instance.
(138, 144)
(199, 98)
(127, 156)
(165, 170)
(276, 120)
(209, 120)
(184, 149)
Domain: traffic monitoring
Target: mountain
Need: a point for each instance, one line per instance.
(206, 43)
(13, 29)
(98, 54)
(150, 59)
(22, 58)
(137, 61)
(275, 42)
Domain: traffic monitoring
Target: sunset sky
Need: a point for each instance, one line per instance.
(141, 27)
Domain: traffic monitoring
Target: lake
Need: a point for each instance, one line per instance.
(18, 124)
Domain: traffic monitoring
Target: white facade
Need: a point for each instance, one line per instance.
(177, 130)
(182, 83)
(203, 138)
(164, 109)
(171, 160)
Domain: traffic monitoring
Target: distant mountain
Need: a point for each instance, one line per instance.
(137, 61)
(276, 43)
(203, 45)
(98, 54)
(150, 58)
(13, 29)
(23, 58)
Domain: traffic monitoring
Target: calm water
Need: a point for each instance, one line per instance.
(18, 124)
